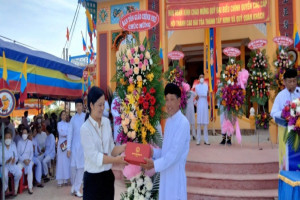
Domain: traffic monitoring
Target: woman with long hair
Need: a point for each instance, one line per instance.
(99, 150)
(63, 162)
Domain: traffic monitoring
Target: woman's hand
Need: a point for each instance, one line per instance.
(120, 160)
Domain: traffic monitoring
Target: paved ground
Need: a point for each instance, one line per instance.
(52, 192)
(214, 153)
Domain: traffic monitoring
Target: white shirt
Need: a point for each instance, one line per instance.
(170, 160)
(50, 146)
(25, 150)
(96, 141)
(74, 141)
(36, 147)
(9, 153)
(281, 99)
(41, 139)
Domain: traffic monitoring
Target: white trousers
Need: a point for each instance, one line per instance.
(16, 171)
(46, 161)
(29, 173)
(38, 169)
(193, 130)
(76, 178)
(62, 181)
(199, 133)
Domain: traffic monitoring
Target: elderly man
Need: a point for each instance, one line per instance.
(290, 92)
(170, 160)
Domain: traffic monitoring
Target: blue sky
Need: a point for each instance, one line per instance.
(42, 24)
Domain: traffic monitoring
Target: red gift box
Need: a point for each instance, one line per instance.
(136, 152)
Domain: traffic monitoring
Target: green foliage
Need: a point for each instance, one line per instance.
(292, 138)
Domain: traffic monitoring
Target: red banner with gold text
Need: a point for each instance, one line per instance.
(215, 13)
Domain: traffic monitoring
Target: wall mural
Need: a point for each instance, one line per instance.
(118, 11)
(103, 15)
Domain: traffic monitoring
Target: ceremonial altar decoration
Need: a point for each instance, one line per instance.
(140, 88)
(291, 113)
(259, 85)
(282, 63)
(232, 96)
(175, 74)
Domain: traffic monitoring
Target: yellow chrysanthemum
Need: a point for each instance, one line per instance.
(150, 77)
(139, 114)
(140, 84)
(130, 88)
(131, 99)
(122, 81)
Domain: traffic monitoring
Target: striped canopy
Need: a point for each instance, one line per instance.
(47, 75)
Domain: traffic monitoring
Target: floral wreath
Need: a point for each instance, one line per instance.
(140, 88)
(175, 74)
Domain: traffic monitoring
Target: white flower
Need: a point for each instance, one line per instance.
(148, 194)
(143, 190)
(149, 185)
(228, 82)
(139, 182)
(141, 198)
(151, 61)
(298, 110)
(223, 75)
(292, 113)
(147, 179)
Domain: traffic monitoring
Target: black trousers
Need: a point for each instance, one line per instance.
(99, 186)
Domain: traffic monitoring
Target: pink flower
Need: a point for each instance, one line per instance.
(142, 48)
(132, 61)
(186, 86)
(123, 68)
(130, 80)
(141, 56)
(132, 50)
(146, 62)
(130, 71)
(130, 171)
(140, 65)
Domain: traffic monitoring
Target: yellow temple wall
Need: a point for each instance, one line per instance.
(183, 37)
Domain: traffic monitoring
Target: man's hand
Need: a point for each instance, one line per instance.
(69, 154)
(197, 97)
(149, 164)
(43, 150)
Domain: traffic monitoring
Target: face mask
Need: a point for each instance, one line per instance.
(24, 136)
(201, 80)
(39, 121)
(7, 141)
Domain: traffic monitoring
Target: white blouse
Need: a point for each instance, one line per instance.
(96, 141)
